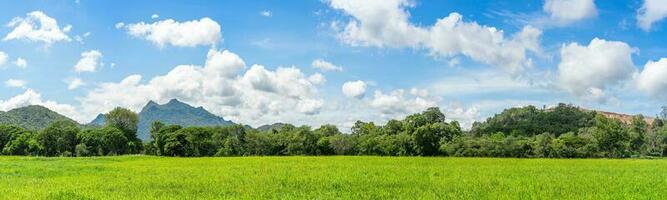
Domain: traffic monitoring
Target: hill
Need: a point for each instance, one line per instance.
(268, 127)
(530, 120)
(31, 117)
(174, 112)
(625, 118)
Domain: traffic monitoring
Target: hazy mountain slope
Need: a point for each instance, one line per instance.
(31, 117)
(174, 112)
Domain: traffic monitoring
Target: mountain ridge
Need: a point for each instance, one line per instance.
(173, 112)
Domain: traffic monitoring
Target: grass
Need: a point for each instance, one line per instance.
(144, 177)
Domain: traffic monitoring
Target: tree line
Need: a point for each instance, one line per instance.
(561, 132)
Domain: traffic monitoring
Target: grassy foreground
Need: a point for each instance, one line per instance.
(143, 177)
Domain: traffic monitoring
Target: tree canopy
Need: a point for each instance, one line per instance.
(564, 131)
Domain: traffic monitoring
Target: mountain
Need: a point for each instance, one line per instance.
(174, 112)
(31, 117)
(99, 120)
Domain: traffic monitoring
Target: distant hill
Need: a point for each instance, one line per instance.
(268, 127)
(31, 117)
(625, 118)
(174, 112)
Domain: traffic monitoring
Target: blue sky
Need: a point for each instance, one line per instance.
(254, 61)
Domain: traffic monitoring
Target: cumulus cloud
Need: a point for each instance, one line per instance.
(21, 63)
(651, 12)
(193, 33)
(354, 89)
(652, 78)
(570, 11)
(317, 79)
(3, 58)
(155, 16)
(31, 97)
(400, 102)
(89, 62)
(37, 27)
(254, 96)
(324, 66)
(16, 83)
(74, 83)
(119, 25)
(385, 23)
(266, 13)
(587, 71)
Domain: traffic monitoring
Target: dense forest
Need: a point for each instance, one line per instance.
(562, 132)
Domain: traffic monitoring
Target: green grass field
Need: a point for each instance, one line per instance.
(142, 177)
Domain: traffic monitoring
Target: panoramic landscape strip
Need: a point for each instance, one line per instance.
(564, 131)
(333, 99)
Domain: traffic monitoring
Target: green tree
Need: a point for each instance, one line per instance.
(9, 133)
(638, 132)
(59, 138)
(199, 142)
(158, 140)
(93, 141)
(123, 119)
(611, 136)
(115, 142)
(82, 150)
(24, 144)
(126, 121)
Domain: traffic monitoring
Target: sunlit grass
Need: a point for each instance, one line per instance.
(143, 177)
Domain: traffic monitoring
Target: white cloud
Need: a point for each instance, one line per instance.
(74, 83)
(255, 96)
(37, 27)
(180, 34)
(310, 106)
(80, 38)
(89, 62)
(652, 79)
(385, 23)
(465, 116)
(266, 13)
(324, 66)
(587, 71)
(354, 89)
(16, 83)
(480, 82)
(21, 63)
(155, 16)
(119, 25)
(651, 12)
(381, 23)
(451, 36)
(570, 11)
(317, 79)
(31, 97)
(398, 102)
(3, 58)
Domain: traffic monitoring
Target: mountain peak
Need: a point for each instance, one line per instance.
(151, 103)
(174, 112)
(30, 107)
(175, 101)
